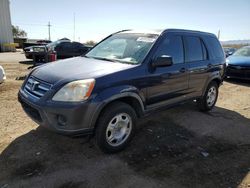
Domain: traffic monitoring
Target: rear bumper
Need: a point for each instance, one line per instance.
(63, 119)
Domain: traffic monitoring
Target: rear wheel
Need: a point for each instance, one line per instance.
(207, 102)
(115, 127)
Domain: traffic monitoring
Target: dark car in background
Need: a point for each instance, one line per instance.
(39, 52)
(238, 64)
(35, 51)
(39, 42)
(63, 49)
(124, 77)
(229, 51)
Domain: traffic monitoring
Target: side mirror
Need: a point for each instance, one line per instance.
(163, 61)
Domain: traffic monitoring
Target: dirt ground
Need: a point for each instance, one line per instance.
(180, 147)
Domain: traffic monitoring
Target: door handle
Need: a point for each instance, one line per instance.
(182, 70)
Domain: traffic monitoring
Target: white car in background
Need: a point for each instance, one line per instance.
(2, 75)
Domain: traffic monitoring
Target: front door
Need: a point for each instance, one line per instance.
(168, 84)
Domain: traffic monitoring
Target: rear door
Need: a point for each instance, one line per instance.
(196, 57)
(169, 84)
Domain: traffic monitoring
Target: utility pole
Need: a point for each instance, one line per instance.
(49, 29)
(219, 34)
(74, 27)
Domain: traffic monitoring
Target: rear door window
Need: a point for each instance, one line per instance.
(76, 47)
(204, 50)
(172, 46)
(193, 49)
(68, 48)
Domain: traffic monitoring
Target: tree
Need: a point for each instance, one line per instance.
(17, 32)
(90, 43)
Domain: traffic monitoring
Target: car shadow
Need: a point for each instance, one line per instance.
(32, 63)
(167, 154)
(21, 77)
(238, 82)
(29, 62)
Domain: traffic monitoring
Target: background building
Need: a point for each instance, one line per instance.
(6, 36)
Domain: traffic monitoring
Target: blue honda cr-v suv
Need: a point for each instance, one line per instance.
(125, 76)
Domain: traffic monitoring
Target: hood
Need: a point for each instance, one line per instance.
(77, 68)
(239, 60)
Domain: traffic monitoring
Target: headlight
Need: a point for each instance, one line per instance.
(75, 91)
(227, 61)
(31, 50)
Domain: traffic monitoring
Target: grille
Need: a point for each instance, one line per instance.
(36, 88)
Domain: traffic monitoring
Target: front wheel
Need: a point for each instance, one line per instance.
(207, 102)
(115, 127)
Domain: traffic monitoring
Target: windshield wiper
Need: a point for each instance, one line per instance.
(111, 60)
(102, 58)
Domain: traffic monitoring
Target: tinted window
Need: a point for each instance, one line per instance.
(215, 46)
(59, 47)
(77, 45)
(66, 45)
(193, 49)
(172, 46)
(204, 50)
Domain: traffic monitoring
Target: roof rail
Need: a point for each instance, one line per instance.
(121, 31)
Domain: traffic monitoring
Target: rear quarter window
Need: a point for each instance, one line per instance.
(214, 47)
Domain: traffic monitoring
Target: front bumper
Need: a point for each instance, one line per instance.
(32, 55)
(238, 72)
(28, 55)
(3, 79)
(61, 118)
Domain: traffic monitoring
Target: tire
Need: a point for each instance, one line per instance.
(115, 127)
(36, 59)
(208, 101)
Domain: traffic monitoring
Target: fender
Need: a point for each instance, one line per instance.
(111, 94)
(214, 76)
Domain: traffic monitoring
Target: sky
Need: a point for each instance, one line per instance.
(95, 19)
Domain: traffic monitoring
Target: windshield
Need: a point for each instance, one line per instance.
(124, 47)
(243, 52)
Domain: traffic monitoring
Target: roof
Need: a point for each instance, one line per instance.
(189, 31)
(160, 31)
(153, 31)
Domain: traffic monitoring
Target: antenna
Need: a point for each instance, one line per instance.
(49, 29)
